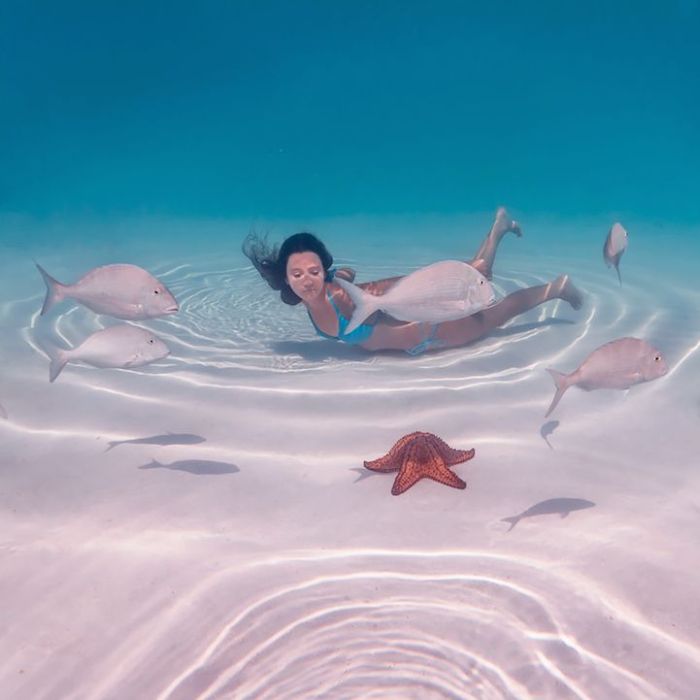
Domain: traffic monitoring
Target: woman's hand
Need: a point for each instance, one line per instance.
(345, 273)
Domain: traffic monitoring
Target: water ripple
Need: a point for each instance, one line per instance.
(372, 623)
(232, 330)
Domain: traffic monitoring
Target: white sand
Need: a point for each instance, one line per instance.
(293, 577)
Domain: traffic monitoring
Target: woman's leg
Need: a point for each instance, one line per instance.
(502, 224)
(482, 261)
(466, 330)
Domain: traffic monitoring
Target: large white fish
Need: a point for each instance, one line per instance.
(121, 290)
(119, 346)
(443, 291)
(615, 246)
(618, 364)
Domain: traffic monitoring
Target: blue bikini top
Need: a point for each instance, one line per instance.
(359, 335)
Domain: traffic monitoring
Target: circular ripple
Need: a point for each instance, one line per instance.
(415, 625)
(230, 323)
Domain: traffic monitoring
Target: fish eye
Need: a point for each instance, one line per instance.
(156, 291)
(481, 282)
(657, 358)
(151, 341)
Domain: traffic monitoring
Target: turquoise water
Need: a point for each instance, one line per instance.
(302, 109)
(203, 526)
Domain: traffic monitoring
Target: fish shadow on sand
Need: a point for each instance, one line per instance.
(162, 440)
(547, 429)
(200, 467)
(552, 506)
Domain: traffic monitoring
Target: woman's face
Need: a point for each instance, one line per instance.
(305, 275)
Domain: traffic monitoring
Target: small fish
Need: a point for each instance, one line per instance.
(195, 466)
(618, 364)
(615, 246)
(443, 291)
(561, 506)
(547, 429)
(123, 291)
(118, 346)
(166, 439)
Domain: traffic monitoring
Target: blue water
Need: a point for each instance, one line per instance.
(284, 110)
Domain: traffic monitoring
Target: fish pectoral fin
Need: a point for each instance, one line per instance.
(565, 513)
(132, 361)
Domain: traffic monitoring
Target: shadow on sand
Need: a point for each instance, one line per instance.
(201, 467)
(552, 506)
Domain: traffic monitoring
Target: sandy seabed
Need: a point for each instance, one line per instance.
(242, 550)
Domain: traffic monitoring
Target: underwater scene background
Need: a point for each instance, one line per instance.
(203, 526)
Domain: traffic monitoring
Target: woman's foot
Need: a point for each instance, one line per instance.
(503, 224)
(565, 289)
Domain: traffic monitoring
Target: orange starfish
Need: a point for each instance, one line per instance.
(419, 455)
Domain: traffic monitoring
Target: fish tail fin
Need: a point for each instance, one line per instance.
(365, 304)
(617, 269)
(153, 464)
(561, 381)
(59, 359)
(55, 291)
(513, 520)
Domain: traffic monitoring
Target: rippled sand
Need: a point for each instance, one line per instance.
(242, 551)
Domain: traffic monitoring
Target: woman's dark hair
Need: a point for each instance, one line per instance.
(271, 261)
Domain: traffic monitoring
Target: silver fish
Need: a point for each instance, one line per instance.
(618, 364)
(615, 246)
(443, 291)
(166, 439)
(122, 290)
(119, 346)
(552, 506)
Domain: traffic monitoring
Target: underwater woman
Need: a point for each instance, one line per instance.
(301, 269)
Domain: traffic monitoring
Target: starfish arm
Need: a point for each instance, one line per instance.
(410, 473)
(445, 476)
(439, 471)
(449, 454)
(393, 459)
(383, 464)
